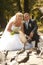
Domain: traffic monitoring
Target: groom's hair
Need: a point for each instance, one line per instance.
(26, 14)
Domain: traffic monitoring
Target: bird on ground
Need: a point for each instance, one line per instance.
(21, 51)
(6, 54)
(12, 59)
(5, 63)
(38, 51)
(41, 51)
(25, 59)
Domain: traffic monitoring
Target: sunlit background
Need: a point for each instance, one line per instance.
(8, 8)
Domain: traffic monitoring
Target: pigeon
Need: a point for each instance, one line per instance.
(5, 63)
(25, 59)
(12, 59)
(6, 54)
(38, 51)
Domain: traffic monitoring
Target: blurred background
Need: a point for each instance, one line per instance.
(8, 8)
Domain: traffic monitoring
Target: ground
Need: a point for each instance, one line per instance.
(34, 58)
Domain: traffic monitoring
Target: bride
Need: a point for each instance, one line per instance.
(10, 40)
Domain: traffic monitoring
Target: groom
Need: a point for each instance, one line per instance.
(30, 29)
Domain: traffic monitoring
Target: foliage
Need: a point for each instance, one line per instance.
(37, 14)
(8, 8)
(28, 5)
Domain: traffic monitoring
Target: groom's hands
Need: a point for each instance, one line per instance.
(31, 34)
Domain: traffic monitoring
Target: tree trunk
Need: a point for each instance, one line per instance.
(19, 6)
(2, 20)
(26, 6)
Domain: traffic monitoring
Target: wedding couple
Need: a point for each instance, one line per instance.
(17, 40)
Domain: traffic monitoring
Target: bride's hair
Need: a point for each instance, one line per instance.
(19, 14)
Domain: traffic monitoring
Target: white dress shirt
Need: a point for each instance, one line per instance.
(27, 24)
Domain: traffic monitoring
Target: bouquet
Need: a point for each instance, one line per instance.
(15, 31)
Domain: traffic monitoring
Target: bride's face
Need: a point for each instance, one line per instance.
(19, 17)
(19, 20)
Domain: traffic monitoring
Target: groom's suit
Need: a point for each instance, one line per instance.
(32, 27)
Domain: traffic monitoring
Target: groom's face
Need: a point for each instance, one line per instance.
(26, 17)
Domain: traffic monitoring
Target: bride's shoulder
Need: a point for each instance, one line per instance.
(12, 18)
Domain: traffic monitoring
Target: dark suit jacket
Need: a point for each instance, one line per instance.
(32, 27)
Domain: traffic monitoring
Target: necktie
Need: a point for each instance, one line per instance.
(26, 25)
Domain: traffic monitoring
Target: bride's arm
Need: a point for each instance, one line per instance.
(10, 27)
(22, 28)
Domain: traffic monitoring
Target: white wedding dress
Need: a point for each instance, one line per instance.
(11, 42)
